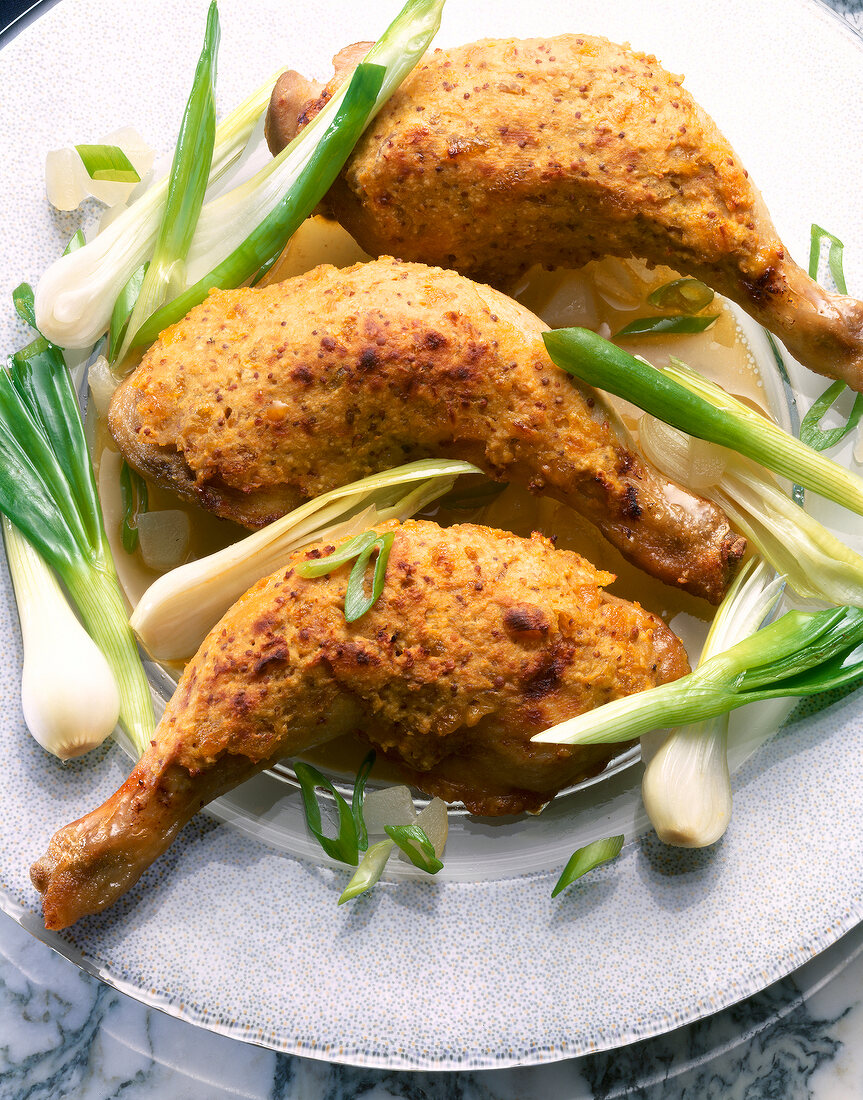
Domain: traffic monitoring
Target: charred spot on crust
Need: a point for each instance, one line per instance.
(526, 622)
(545, 675)
(764, 285)
(369, 359)
(435, 340)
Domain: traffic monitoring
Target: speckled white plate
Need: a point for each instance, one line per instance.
(230, 931)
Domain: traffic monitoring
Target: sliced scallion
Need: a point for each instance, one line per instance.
(586, 859)
(819, 439)
(691, 403)
(685, 295)
(357, 602)
(134, 497)
(416, 846)
(343, 846)
(187, 184)
(107, 162)
(834, 261)
(667, 326)
(369, 871)
(802, 653)
(22, 300)
(122, 311)
(357, 800)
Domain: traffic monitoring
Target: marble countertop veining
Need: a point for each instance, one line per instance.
(65, 1034)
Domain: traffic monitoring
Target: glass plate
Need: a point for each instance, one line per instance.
(235, 928)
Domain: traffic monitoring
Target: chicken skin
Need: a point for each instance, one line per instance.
(501, 154)
(263, 397)
(479, 640)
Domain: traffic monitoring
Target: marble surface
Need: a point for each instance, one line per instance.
(64, 1034)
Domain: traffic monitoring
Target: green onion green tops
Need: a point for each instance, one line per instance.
(691, 403)
(357, 602)
(107, 162)
(187, 184)
(811, 433)
(586, 858)
(48, 491)
(802, 653)
(666, 326)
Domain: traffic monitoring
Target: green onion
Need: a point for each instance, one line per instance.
(685, 295)
(810, 432)
(241, 232)
(686, 788)
(586, 858)
(802, 653)
(416, 846)
(819, 439)
(48, 492)
(357, 603)
(22, 300)
(691, 403)
(815, 562)
(369, 871)
(69, 694)
(343, 846)
(122, 311)
(176, 612)
(134, 496)
(107, 162)
(357, 800)
(669, 326)
(310, 185)
(76, 295)
(817, 235)
(187, 184)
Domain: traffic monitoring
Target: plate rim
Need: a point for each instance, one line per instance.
(198, 1016)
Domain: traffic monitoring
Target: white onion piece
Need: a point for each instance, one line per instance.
(434, 821)
(67, 183)
(164, 538)
(102, 385)
(388, 806)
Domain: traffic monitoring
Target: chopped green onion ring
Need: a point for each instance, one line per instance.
(343, 846)
(669, 326)
(357, 603)
(23, 301)
(416, 846)
(834, 260)
(819, 439)
(586, 859)
(361, 547)
(357, 800)
(107, 162)
(685, 295)
(810, 433)
(369, 871)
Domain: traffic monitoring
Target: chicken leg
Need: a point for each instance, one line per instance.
(479, 640)
(261, 398)
(501, 154)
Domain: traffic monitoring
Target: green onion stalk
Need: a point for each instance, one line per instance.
(687, 401)
(47, 490)
(187, 184)
(241, 233)
(76, 295)
(802, 653)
